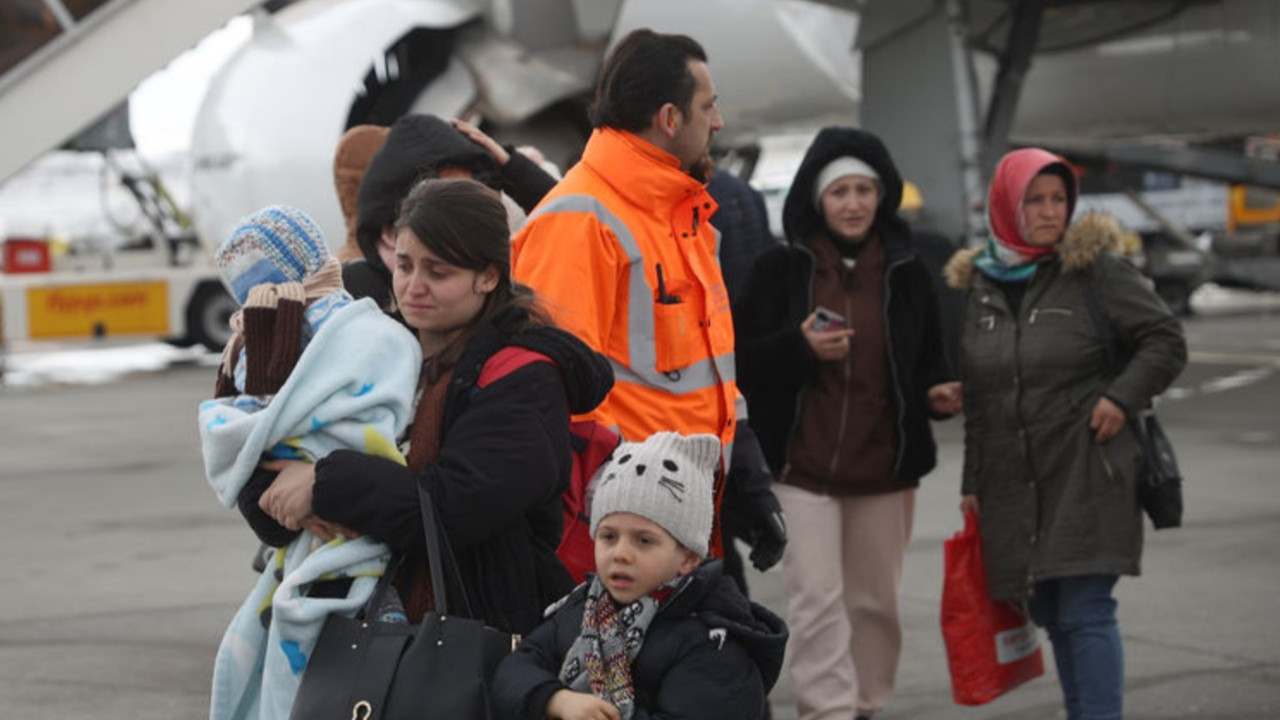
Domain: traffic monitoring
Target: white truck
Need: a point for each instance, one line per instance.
(157, 289)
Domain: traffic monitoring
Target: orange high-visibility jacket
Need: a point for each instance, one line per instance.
(621, 253)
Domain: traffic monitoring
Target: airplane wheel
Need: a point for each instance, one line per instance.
(209, 316)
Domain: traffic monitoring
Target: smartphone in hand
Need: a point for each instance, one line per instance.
(826, 320)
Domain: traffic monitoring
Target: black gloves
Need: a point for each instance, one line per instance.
(750, 510)
(768, 541)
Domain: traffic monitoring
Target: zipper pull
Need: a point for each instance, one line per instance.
(1106, 465)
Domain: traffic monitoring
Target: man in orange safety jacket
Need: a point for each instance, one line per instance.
(622, 254)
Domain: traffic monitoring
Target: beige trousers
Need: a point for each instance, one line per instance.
(843, 572)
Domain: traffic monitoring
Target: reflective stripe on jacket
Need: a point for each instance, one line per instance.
(622, 255)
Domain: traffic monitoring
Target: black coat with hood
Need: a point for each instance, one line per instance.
(709, 653)
(504, 461)
(775, 364)
(417, 147)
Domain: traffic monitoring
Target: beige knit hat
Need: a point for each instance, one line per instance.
(668, 479)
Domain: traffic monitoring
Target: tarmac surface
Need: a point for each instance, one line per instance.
(121, 570)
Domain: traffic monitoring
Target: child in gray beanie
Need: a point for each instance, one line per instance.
(658, 630)
(667, 480)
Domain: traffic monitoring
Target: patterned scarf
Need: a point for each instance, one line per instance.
(599, 662)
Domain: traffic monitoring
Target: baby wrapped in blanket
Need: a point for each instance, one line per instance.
(308, 370)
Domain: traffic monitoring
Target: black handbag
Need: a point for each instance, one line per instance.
(1159, 482)
(365, 669)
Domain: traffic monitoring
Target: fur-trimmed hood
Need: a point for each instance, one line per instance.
(1086, 239)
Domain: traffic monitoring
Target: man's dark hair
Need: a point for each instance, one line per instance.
(645, 71)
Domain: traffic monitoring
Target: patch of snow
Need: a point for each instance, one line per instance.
(33, 366)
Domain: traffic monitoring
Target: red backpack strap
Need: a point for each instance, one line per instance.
(592, 444)
(506, 361)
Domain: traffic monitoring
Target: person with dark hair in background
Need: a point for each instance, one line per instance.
(622, 251)
(743, 222)
(1051, 459)
(524, 178)
(495, 456)
(841, 361)
(417, 147)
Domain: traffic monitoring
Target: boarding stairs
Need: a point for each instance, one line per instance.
(65, 63)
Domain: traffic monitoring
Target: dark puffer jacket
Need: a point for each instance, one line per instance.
(710, 653)
(504, 462)
(1052, 502)
(775, 364)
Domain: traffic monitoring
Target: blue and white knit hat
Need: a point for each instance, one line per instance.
(276, 244)
(669, 479)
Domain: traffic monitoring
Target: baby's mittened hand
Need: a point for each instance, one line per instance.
(570, 705)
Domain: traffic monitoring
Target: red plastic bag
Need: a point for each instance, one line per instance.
(992, 647)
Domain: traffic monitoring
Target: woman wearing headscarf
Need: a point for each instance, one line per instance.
(842, 413)
(1050, 457)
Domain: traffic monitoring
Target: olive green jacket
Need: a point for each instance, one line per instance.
(1053, 503)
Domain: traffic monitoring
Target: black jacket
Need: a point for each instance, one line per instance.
(775, 364)
(504, 461)
(524, 180)
(710, 653)
(743, 222)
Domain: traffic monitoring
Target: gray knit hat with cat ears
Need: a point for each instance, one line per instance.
(669, 479)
